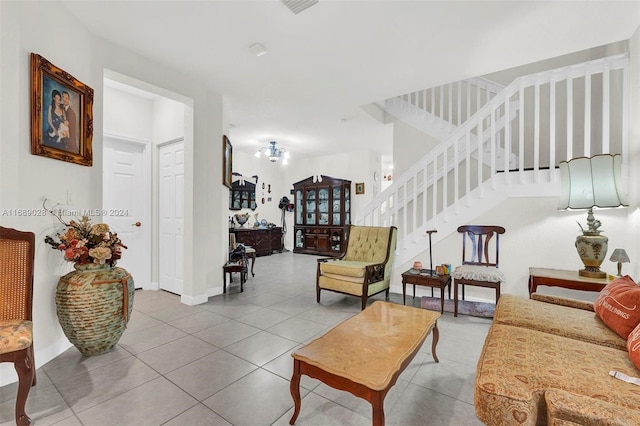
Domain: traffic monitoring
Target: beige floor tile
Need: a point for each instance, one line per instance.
(176, 354)
(261, 347)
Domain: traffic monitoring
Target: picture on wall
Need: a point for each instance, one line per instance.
(61, 114)
(227, 161)
(360, 188)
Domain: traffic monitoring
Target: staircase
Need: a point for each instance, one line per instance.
(500, 142)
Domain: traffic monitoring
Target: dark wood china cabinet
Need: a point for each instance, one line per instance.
(322, 215)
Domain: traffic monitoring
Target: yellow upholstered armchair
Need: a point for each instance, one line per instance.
(365, 267)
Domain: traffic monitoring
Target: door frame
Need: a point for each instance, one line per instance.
(159, 147)
(147, 283)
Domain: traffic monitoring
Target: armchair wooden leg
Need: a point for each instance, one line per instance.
(317, 294)
(364, 301)
(386, 295)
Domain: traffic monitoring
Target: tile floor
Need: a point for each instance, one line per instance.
(228, 362)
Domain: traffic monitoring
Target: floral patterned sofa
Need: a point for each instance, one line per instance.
(547, 360)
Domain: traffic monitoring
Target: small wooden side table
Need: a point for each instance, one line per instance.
(565, 279)
(425, 278)
(229, 268)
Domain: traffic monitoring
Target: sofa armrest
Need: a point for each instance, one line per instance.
(565, 408)
(563, 301)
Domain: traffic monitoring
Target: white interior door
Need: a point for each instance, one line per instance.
(171, 217)
(126, 203)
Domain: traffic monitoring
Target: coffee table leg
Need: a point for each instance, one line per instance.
(404, 291)
(436, 335)
(295, 390)
(377, 403)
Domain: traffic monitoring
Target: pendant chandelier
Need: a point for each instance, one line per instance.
(274, 153)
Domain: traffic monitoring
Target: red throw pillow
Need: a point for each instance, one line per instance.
(633, 346)
(618, 305)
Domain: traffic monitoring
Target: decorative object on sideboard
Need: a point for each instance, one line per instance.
(588, 183)
(94, 302)
(241, 218)
(619, 255)
(274, 153)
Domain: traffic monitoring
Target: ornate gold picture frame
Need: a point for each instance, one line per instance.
(61, 114)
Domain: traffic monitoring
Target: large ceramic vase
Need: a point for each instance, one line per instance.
(94, 305)
(592, 249)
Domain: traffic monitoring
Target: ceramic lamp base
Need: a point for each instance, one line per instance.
(592, 249)
(592, 274)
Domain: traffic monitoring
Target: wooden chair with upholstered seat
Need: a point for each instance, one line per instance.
(479, 260)
(17, 251)
(365, 268)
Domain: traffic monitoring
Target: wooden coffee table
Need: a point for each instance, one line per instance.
(365, 354)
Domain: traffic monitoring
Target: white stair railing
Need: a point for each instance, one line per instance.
(517, 138)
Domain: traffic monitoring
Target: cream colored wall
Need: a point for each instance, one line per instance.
(26, 179)
(409, 145)
(537, 235)
(354, 166)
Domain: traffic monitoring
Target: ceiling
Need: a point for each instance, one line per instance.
(323, 64)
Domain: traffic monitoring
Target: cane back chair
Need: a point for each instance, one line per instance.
(17, 251)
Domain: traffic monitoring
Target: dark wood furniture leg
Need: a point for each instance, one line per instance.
(253, 262)
(436, 336)
(404, 291)
(26, 378)
(294, 387)
(455, 298)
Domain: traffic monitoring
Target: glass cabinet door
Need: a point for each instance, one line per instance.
(336, 201)
(299, 219)
(311, 207)
(323, 206)
(347, 206)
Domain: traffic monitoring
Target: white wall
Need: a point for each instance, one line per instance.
(409, 145)
(537, 234)
(354, 166)
(25, 178)
(152, 120)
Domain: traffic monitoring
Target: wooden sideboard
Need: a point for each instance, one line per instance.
(264, 241)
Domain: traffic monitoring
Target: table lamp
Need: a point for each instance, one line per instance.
(620, 256)
(588, 183)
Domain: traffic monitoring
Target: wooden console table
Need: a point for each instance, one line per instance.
(365, 354)
(264, 241)
(564, 279)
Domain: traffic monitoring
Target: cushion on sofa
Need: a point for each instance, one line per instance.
(618, 305)
(549, 317)
(563, 301)
(564, 408)
(518, 365)
(633, 346)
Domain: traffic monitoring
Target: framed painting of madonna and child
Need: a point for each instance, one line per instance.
(61, 114)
